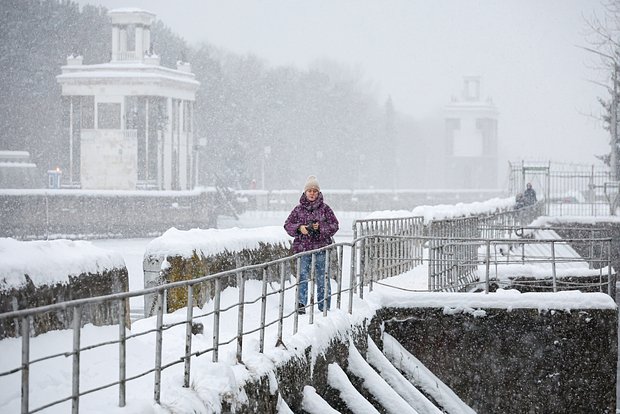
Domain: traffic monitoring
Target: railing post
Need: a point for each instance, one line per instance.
(241, 285)
(591, 258)
(431, 264)
(611, 284)
(263, 312)
(311, 287)
(340, 253)
(352, 276)
(366, 262)
(158, 346)
(216, 320)
(77, 328)
(25, 328)
(188, 336)
(297, 279)
(122, 353)
(555, 288)
(326, 283)
(487, 283)
(281, 302)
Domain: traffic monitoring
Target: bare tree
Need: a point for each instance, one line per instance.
(603, 37)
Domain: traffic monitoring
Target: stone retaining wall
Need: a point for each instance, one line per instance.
(82, 286)
(496, 360)
(179, 268)
(517, 361)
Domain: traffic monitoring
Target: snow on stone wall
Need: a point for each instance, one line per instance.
(51, 262)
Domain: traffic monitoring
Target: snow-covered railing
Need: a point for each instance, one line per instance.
(529, 264)
(383, 257)
(266, 312)
(455, 268)
(265, 316)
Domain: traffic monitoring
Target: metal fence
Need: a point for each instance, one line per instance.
(568, 189)
(286, 316)
(393, 250)
(452, 266)
(461, 253)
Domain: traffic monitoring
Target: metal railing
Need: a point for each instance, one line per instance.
(380, 249)
(525, 264)
(395, 249)
(280, 294)
(453, 267)
(567, 189)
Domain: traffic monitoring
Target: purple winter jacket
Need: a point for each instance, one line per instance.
(303, 214)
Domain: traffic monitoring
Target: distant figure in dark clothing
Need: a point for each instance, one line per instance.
(529, 196)
(519, 201)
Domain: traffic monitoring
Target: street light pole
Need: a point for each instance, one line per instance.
(266, 152)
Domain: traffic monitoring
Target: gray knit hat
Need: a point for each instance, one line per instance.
(311, 182)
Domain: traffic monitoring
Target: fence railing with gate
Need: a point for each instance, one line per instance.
(568, 189)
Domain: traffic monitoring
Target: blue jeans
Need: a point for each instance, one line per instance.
(319, 278)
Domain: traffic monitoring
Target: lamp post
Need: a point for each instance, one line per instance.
(266, 152)
(202, 142)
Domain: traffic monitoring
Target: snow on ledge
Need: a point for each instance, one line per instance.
(51, 262)
(550, 220)
(448, 211)
(502, 299)
(183, 243)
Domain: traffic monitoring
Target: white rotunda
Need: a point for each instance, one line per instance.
(130, 121)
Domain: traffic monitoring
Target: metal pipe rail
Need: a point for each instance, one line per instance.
(392, 256)
(25, 319)
(493, 225)
(268, 316)
(446, 274)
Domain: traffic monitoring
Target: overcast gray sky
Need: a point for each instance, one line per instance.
(418, 51)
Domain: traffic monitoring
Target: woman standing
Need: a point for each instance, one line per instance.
(312, 223)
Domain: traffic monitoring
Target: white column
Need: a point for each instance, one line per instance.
(146, 139)
(71, 139)
(181, 152)
(192, 153)
(166, 167)
(139, 44)
(123, 40)
(115, 45)
(147, 38)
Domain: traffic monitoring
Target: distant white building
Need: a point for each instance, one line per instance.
(471, 139)
(129, 122)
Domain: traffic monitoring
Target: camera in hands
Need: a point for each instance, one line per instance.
(312, 230)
